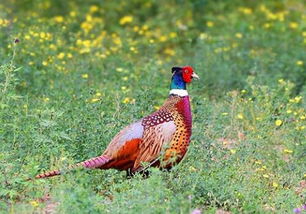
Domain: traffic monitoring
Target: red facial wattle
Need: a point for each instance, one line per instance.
(187, 74)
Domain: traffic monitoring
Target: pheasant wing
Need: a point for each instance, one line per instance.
(159, 129)
(128, 134)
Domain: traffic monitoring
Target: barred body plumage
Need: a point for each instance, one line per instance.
(160, 139)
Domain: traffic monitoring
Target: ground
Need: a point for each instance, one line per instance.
(74, 73)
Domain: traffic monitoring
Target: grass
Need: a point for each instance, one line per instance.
(73, 74)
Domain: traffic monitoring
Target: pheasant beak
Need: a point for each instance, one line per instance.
(195, 76)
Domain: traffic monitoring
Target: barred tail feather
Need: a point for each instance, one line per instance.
(96, 162)
(48, 174)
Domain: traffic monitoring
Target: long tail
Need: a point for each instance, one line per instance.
(95, 162)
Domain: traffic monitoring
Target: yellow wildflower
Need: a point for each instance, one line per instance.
(173, 34)
(136, 28)
(72, 13)
(274, 184)
(203, 36)
(117, 41)
(240, 116)
(288, 151)
(157, 107)
(192, 169)
(299, 62)
(88, 18)
(209, 24)
(79, 42)
(93, 8)
(103, 56)
(234, 45)
(293, 25)
(169, 51)
(141, 32)
(86, 43)
(271, 16)
(119, 69)
(125, 20)
(86, 26)
(45, 63)
(163, 38)
(297, 99)
(304, 34)
(98, 94)
(260, 170)
(233, 151)
(4, 22)
(52, 47)
(245, 10)
(42, 35)
(265, 176)
(258, 162)
(133, 49)
(58, 19)
(267, 25)
(159, 62)
(84, 76)
(34, 203)
(145, 27)
(126, 100)
(239, 35)
(226, 48)
(278, 122)
(46, 99)
(93, 100)
(61, 55)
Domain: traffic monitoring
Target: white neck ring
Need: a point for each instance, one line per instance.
(179, 92)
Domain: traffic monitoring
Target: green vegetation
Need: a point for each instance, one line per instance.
(74, 73)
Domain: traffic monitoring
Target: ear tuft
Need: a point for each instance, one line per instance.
(175, 69)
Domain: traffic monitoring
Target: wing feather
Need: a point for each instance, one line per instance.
(154, 139)
(133, 131)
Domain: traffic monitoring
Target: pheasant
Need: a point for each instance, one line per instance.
(160, 139)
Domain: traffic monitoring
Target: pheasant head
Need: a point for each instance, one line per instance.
(181, 76)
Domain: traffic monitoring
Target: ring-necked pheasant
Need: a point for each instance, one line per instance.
(160, 139)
